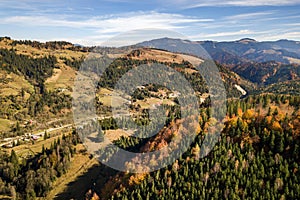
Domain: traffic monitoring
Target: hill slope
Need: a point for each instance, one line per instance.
(262, 63)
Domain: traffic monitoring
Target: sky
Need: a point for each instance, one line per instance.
(94, 22)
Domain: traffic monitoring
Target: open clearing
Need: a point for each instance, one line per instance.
(11, 84)
(79, 165)
(164, 56)
(28, 149)
(63, 78)
(5, 125)
(116, 134)
(152, 102)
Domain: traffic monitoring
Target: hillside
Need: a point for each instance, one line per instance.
(256, 155)
(32, 76)
(283, 51)
(33, 71)
(262, 63)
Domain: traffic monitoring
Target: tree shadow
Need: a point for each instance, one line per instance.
(94, 179)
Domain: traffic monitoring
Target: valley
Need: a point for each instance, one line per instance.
(43, 148)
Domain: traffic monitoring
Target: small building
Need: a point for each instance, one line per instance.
(35, 137)
(174, 94)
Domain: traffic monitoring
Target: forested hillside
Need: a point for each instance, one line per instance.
(27, 91)
(257, 157)
(42, 155)
(262, 63)
(34, 177)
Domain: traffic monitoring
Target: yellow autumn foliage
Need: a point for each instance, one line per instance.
(198, 128)
(240, 112)
(276, 126)
(249, 114)
(136, 179)
(269, 119)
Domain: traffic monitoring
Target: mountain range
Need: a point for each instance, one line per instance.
(243, 50)
(36, 119)
(263, 63)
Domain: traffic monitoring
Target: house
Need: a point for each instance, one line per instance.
(35, 137)
(174, 95)
(8, 145)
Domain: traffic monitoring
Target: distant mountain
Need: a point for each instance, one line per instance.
(236, 52)
(266, 73)
(263, 63)
(235, 85)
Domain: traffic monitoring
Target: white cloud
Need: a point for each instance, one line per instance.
(233, 33)
(93, 30)
(31, 6)
(101, 28)
(247, 16)
(110, 23)
(295, 25)
(291, 35)
(230, 35)
(205, 3)
(221, 34)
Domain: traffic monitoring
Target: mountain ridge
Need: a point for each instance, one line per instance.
(263, 63)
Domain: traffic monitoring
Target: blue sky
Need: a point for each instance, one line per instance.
(91, 22)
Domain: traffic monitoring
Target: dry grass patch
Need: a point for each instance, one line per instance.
(107, 100)
(116, 134)
(31, 149)
(164, 56)
(5, 125)
(63, 78)
(283, 109)
(39, 53)
(105, 91)
(5, 43)
(79, 165)
(151, 102)
(12, 84)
